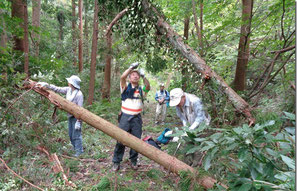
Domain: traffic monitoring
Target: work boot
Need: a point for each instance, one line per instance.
(134, 165)
(116, 167)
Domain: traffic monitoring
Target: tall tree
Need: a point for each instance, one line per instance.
(36, 23)
(80, 43)
(197, 26)
(19, 10)
(3, 33)
(186, 36)
(74, 42)
(93, 54)
(86, 31)
(107, 69)
(61, 20)
(243, 48)
(201, 28)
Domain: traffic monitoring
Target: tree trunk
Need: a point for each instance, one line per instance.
(19, 10)
(107, 69)
(201, 28)
(93, 54)
(80, 44)
(197, 26)
(3, 35)
(86, 32)
(184, 68)
(169, 162)
(26, 40)
(243, 48)
(74, 43)
(177, 42)
(36, 23)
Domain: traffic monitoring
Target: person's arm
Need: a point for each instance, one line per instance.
(167, 98)
(157, 97)
(62, 90)
(200, 116)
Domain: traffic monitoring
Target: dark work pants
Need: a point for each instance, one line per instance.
(133, 125)
(75, 136)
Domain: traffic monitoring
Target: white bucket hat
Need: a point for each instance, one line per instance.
(175, 96)
(75, 81)
(162, 85)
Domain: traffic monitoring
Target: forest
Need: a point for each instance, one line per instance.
(236, 57)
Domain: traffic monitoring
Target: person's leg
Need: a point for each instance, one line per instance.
(158, 111)
(136, 130)
(163, 115)
(71, 123)
(119, 149)
(77, 140)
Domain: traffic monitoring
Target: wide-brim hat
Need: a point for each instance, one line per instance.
(75, 81)
(175, 96)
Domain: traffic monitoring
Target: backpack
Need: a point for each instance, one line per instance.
(162, 139)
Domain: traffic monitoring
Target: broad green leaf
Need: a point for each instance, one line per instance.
(207, 163)
(200, 139)
(290, 116)
(288, 161)
(192, 150)
(245, 187)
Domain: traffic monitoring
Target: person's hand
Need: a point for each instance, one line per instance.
(134, 65)
(141, 72)
(42, 84)
(77, 125)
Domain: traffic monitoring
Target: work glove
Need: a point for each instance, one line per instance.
(134, 65)
(42, 84)
(78, 125)
(141, 72)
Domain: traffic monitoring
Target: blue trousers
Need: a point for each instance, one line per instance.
(133, 125)
(75, 136)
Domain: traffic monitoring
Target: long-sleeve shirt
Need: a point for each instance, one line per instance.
(192, 112)
(74, 96)
(162, 94)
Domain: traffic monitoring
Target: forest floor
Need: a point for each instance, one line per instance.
(96, 174)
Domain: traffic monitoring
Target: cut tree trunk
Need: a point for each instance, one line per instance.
(201, 67)
(169, 162)
(93, 55)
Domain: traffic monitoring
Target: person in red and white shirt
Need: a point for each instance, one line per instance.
(132, 104)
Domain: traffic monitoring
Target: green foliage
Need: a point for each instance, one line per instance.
(104, 184)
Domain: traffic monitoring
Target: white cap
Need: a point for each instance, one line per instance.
(162, 85)
(75, 81)
(175, 96)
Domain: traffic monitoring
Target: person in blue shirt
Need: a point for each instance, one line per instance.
(162, 98)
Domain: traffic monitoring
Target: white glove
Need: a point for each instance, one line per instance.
(42, 84)
(134, 65)
(168, 133)
(141, 72)
(175, 139)
(194, 125)
(77, 125)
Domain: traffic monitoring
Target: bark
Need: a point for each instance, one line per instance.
(243, 48)
(3, 34)
(80, 43)
(36, 23)
(74, 43)
(107, 69)
(26, 40)
(177, 42)
(93, 54)
(169, 162)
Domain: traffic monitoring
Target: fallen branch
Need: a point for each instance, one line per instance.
(9, 169)
(57, 167)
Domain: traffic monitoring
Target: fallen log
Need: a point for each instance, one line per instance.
(169, 162)
(200, 65)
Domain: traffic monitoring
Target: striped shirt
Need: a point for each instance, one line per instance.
(132, 106)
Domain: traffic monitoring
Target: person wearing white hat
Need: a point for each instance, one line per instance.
(189, 108)
(162, 98)
(73, 94)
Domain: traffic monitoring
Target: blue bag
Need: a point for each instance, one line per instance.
(162, 139)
